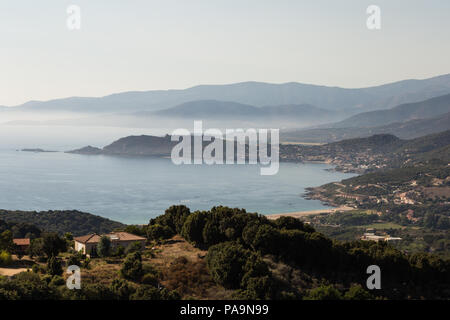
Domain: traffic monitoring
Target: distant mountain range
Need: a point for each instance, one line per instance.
(213, 109)
(402, 113)
(256, 94)
(406, 121)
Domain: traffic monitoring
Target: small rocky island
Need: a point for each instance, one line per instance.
(89, 150)
(36, 150)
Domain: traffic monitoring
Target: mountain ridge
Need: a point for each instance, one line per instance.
(257, 94)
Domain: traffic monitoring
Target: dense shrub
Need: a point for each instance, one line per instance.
(5, 258)
(25, 286)
(192, 229)
(357, 292)
(132, 267)
(234, 267)
(159, 232)
(188, 277)
(50, 244)
(290, 223)
(145, 292)
(54, 267)
(174, 218)
(121, 289)
(226, 262)
(323, 293)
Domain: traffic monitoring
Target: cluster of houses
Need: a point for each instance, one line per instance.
(88, 243)
(371, 236)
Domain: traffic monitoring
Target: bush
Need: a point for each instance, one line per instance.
(74, 259)
(57, 281)
(258, 288)
(25, 286)
(54, 266)
(37, 268)
(357, 292)
(93, 292)
(145, 292)
(5, 258)
(119, 251)
(226, 263)
(159, 232)
(150, 279)
(290, 223)
(135, 247)
(132, 267)
(323, 293)
(121, 289)
(174, 218)
(192, 229)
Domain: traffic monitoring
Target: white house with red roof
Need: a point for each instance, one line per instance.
(86, 244)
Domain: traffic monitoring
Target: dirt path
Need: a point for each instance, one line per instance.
(12, 271)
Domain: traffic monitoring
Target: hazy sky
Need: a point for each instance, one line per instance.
(144, 44)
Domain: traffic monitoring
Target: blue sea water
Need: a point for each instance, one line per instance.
(133, 190)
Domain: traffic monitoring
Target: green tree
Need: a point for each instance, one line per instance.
(54, 267)
(132, 267)
(192, 229)
(137, 230)
(121, 289)
(159, 232)
(226, 262)
(5, 258)
(104, 247)
(174, 218)
(52, 244)
(290, 223)
(68, 236)
(6, 241)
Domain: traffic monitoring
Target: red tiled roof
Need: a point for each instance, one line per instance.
(89, 238)
(22, 241)
(125, 236)
(114, 236)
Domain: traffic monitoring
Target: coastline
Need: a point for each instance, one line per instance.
(300, 214)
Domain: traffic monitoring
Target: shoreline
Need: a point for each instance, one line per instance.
(300, 214)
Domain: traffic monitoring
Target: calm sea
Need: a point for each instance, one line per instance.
(133, 190)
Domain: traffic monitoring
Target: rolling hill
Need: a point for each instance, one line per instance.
(213, 109)
(406, 121)
(404, 130)
(256, 94)
(421, 110)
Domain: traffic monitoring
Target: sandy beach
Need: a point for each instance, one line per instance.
(299, 214)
